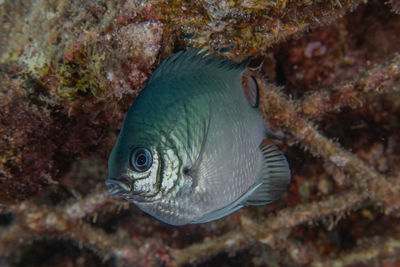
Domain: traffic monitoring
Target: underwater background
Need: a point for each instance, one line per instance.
(69, 70)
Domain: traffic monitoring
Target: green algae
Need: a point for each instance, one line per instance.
(84, 74)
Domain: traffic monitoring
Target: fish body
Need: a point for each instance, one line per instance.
(190, 148)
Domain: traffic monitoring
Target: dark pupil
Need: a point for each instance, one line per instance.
(141, 159)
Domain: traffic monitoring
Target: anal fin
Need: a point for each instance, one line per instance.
(217, 214)
(274, 176)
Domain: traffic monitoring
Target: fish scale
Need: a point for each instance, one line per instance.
(193, 124)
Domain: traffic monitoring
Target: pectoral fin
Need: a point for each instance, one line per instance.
(251, 90)
(274, 177)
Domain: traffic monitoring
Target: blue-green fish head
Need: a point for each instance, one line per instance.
(134, 164)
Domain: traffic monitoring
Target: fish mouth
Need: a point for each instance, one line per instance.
(118, 186)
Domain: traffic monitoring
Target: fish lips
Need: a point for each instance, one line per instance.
(118, 186)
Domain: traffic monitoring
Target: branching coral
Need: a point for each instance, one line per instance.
(63, 95)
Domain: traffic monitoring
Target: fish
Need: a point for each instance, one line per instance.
(193, 147)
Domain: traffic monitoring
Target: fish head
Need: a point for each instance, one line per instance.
(134, 166)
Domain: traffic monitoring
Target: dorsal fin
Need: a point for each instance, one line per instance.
(195, 59)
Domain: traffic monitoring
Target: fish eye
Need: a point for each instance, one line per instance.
(141, 159)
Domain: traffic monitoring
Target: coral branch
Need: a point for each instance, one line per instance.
(374, 251)
(333, 205)
(283, 114)
(38, 226)
(380, 79)
(272, 231)
(231, 242)
(36, 223)
(92, 203)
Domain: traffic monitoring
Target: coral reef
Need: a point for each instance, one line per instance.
(329, 79)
